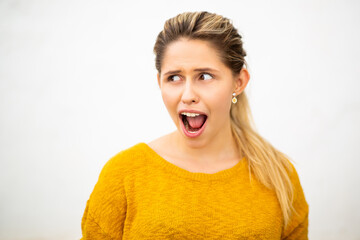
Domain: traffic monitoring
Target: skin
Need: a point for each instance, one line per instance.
(207, 91)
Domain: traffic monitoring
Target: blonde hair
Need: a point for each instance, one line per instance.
(270, 166)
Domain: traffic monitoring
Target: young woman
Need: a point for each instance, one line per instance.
(213, 178)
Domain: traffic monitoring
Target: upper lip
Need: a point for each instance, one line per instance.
(191, 111)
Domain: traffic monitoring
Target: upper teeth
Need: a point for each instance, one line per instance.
(190, 114)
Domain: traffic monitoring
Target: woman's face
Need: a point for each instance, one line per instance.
(197, 89)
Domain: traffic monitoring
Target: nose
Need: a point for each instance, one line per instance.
(189, 95)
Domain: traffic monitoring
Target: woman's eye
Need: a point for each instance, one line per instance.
(174, 78)
(206, 76)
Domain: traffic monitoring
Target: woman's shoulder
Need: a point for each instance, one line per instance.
(133, 152)
(126, 160)
(299, 219)
(299, 196)
(294, 177)
(162, 143)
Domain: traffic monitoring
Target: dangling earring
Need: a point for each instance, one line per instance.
(234, 99)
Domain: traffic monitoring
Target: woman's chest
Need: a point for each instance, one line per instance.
(164, 209)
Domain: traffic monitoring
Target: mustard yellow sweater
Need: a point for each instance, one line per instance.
(140, 195)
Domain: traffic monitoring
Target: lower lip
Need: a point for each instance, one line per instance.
(189, 134)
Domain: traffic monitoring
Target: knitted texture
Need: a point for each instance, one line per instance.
(140, 195)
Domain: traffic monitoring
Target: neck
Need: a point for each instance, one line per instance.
(219, 148)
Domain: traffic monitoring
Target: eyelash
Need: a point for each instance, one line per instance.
(169, 79)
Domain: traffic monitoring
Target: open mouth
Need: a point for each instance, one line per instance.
(193, 123)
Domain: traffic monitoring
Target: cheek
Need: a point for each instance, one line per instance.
(170, 100)
(222, 105)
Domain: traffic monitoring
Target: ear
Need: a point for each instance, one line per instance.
(242, 80)
(158, 79)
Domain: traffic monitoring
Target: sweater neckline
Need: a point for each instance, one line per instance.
(198, 176)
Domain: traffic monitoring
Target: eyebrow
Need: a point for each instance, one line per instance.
(195, 70)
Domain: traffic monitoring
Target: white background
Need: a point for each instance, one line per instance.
(78, 85)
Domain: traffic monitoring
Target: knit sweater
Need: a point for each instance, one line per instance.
(140, 195)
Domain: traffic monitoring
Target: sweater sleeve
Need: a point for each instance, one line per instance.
(297, 227)
(105, 210)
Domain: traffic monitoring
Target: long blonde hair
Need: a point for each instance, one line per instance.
(269, 166)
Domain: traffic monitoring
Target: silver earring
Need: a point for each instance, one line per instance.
(234, 99)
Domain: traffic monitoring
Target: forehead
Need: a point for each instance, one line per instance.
(189, 54)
